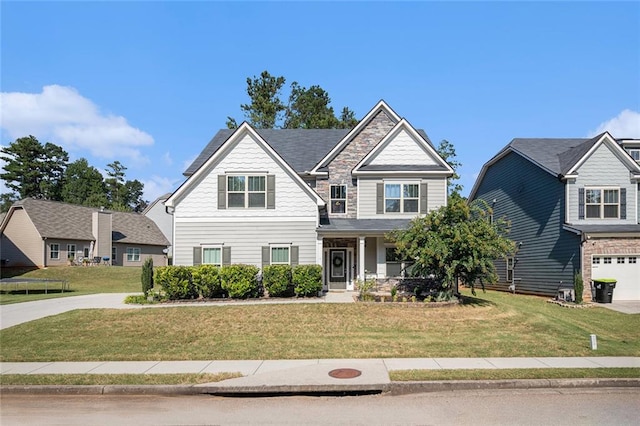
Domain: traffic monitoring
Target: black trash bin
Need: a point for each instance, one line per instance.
(604, 289)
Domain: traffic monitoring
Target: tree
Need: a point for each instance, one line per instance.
(115, 186)
(266, 108)
(348, 119)
(448, 153)
(84, 185)
(147, 276)
(309, 109)
(6, 201)
(32, 169)
(133, 196)
(457, 241)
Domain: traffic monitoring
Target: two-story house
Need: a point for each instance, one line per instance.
(573, 205)
(308, 196)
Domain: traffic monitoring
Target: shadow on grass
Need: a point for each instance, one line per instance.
(16, 271)
(475, 301)
(24, 292)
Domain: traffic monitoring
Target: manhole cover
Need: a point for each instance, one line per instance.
(344, 373)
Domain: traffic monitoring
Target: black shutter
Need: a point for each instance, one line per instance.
(266, 258)
(380, 198)
(226, 255)
(423, 198)
(623, 203)
(271, 191)
(581, 203)
(197, 256)
(222, 192)
(294, 255)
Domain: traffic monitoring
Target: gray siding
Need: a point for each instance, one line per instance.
(436, 196)
(533, 201)
(155, 252)
(246, 238)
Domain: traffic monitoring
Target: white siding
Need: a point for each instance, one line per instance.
(245, 237)
(158, 214)
(604, 169)
(402, 150)
(246, 156)
(436, 197)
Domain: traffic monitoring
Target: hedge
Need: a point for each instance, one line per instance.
(277, 280)
(176, 281)
(207, 281)
(240, 281)
(307, 280)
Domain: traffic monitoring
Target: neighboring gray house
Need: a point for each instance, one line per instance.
(41, 233)
(157, 212)
(573, 205)
(298, 196)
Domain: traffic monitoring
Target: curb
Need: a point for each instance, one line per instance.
(393, 388)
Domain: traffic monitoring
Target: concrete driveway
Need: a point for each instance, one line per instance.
(624, 306)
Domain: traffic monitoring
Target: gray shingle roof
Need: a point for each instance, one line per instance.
(606, 229)
(53, 219)
(361, 225)
(403, 167)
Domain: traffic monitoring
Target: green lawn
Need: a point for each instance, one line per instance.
(516, 374)
(113, 379)
(82, 280)
(493, 325)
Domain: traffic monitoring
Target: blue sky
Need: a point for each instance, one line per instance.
(149, 83)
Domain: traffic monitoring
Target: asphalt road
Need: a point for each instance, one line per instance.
(604, 406)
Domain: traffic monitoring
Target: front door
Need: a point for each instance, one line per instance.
(338, 269)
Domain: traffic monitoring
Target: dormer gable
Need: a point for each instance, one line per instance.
(605, 139)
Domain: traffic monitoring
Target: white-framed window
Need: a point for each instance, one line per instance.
(338, 198)
(635, 154)
(606, 260)
(71, 251)
(633, 259)
(280, 255)
(620, 260)
(212, 256)
(510, 264)
(596, 260)
(401, 197)
(602, 203)
(396, 265)
(247, 191)
(133, 254)
(54, 251)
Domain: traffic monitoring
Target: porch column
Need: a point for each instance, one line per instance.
(320, 260)
(361, 258)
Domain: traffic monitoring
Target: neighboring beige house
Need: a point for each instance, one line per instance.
(157, 212)
(44, 233)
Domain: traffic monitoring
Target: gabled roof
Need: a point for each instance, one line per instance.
(221, 151)
(559, 157)
(54, 219)
(156, 201)
(422, 142)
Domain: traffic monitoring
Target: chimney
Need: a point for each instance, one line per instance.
(101, 228)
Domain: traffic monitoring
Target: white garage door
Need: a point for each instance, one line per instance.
(625, 269)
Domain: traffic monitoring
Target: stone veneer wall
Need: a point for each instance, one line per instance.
(341, 166)
(604, 247)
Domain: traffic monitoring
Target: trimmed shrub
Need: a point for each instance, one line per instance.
(206, 279)
(147, 276)
(277, 280)
(176, 281)
(240, 281)
(307, 280)
(578, 287)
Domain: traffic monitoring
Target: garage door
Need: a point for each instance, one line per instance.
(625, 269)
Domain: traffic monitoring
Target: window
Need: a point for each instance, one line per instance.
(596, 260)
(114, 254)
(635, 154)
(133, 254)
(280, 255)
(509, 269)
(212, 256)
(602, 203)
(620, 260)
(71, 251)
(633, 259)
(396, 266)
(401, 197)
(338, 198)
(54, 251)
(606, 260)
(246, 191)
(85, 252)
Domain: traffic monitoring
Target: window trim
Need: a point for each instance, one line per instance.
(404, 264)
(131, 256)
(71, 252)
(402, 198)
(602, 204)
(279, 246)
(246, 192)
(52, 251)
(331, 199)
(631, 151)
(510, 266)
(214, 247)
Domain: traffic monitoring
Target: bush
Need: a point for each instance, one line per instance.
(277, 280)
(147, 276)
(240, 281)
(578, 287)
(176, 281)
(206, 279)
(307, 280)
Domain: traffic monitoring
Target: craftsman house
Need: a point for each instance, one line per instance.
(308, 196)
(573, 205)
(40, 233)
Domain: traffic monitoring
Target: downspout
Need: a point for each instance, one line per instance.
(44, 252)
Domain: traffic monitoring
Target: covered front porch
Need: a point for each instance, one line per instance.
(352, 250)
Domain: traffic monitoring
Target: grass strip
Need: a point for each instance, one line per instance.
(113, 379)
(515, 373)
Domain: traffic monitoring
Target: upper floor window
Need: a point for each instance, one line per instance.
(246, 191)
(338, 198)
(635, 154)
(602, 203)
(401, 197)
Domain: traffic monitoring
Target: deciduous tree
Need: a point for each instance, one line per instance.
(84, 185)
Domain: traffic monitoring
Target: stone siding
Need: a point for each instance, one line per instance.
(341, 166)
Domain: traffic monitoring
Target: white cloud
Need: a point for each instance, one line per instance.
(156, 186)
(625, 125)
(63, 116)
(167, 158)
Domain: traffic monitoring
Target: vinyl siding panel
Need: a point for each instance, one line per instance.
(162, 219)
(436, 196)
(402, 150)
(246, 238)
(155, 252)
(604, 169)
(533, 201)
(21, 242)
(246, 157)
